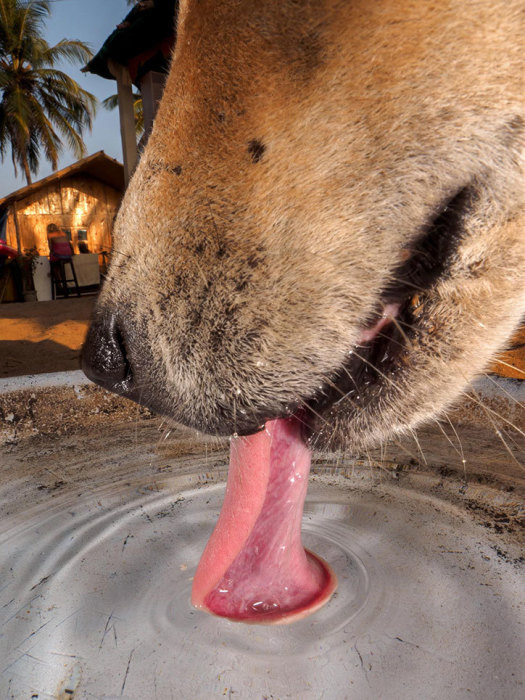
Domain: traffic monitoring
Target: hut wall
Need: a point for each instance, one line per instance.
(77, 203)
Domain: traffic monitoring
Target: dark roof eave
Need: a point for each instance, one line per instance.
(145, 29)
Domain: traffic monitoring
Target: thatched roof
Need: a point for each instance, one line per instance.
(142, 42)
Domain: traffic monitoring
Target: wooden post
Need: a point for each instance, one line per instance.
(17, 230)
(151, 88)
(127, 117)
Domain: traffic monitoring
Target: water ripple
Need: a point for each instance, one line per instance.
(95, 589)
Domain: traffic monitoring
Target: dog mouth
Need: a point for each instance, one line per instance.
(372, 365)
(386, 340)
(384, 345)
(240, 576)
(255, 568)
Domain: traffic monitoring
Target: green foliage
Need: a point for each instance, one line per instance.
(41, 108)
(111, 102)
(31, 256)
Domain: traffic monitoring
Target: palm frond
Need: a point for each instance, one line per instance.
(42, 109)
(70, 50)
(111, 103)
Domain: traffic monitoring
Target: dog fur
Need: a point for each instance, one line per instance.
(300, 152)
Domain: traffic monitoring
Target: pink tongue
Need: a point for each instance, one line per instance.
(254, 567)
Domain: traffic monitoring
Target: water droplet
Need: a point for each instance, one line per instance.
(264, 606)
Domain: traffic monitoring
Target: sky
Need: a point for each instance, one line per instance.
(91, 21)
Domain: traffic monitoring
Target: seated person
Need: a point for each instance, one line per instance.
(59, 245)
(60, 253)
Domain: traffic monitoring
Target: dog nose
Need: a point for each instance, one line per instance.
(104, 358)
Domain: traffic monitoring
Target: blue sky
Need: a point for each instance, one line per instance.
(91, 21)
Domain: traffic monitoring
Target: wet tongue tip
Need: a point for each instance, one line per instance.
(254, 567)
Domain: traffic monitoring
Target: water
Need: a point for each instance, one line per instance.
(95, 587)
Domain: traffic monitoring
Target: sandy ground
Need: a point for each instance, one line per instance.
(512, 363)
(45, 336)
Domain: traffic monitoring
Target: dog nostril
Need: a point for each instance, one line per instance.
(104, 358)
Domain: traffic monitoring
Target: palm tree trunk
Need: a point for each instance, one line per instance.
(27, 172)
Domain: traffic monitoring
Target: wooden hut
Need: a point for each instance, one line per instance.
(82, 199)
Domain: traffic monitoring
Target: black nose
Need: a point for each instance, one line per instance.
(104, 358)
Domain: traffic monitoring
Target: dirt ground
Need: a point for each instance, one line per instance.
(37, 337)
(68, 438)
(44, 336)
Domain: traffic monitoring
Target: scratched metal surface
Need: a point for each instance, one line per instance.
(102, 529)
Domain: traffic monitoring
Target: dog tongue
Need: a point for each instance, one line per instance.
(254, 567)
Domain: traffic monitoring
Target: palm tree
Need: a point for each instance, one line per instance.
(111, 102)
(41, 108)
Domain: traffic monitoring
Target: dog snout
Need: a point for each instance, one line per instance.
(104, 355)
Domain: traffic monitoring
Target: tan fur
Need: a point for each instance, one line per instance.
(242, 286)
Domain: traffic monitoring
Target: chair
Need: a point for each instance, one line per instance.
(60, 255)
(59, 279)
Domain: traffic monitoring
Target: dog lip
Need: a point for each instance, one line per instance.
(426, 259)
(384, 342)
(390, 311)
(353, 380)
